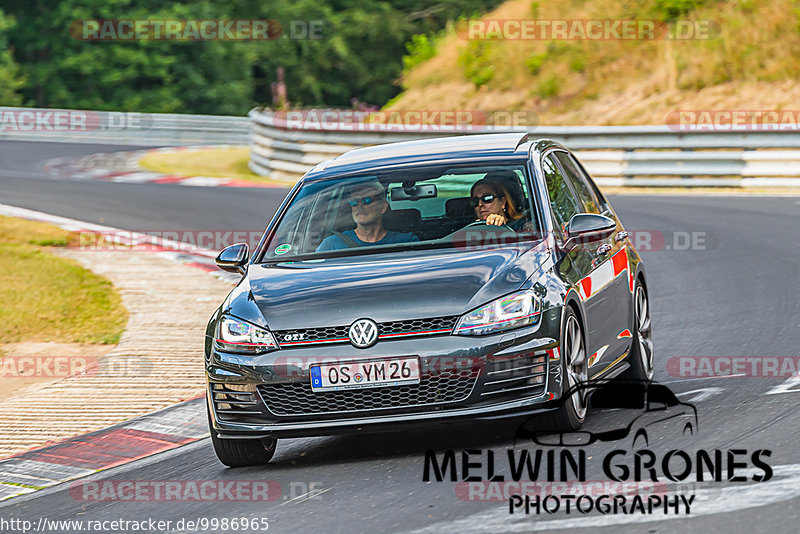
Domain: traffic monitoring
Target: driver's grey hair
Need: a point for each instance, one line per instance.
(373, 184)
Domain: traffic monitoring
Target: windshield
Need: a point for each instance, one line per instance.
(434, 207)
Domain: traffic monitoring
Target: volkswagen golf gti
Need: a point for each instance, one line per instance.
(475, 277)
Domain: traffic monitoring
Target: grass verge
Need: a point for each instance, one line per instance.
(44, 297)
(214, 162)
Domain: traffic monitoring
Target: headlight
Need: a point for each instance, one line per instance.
(238, 336)
(511, 311)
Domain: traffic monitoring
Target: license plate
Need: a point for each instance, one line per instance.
(371, 374)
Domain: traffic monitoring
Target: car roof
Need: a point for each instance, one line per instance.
(507, 146)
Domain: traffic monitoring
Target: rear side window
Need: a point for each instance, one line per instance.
(563, 201)
(589, 200)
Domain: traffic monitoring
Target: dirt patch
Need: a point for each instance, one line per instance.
(165, 301)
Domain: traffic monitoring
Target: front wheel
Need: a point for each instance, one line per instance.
(641, 355)
(572, 413)
(241, 452)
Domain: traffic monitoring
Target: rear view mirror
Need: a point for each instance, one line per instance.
(233, 258)
(410, 191)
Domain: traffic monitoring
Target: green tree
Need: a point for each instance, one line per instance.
(10, 79)
(359, 56)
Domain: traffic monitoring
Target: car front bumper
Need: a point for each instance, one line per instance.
(496, 376)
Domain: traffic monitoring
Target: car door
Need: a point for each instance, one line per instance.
(575, 265)
(608, 294)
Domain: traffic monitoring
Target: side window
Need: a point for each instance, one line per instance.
(592, 186)
(563, 201)
(579, 184)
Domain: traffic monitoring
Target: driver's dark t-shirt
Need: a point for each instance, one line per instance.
(334, 242)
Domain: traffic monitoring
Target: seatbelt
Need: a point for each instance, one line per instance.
(349, 241)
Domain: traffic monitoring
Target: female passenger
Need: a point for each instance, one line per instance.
(492, 202)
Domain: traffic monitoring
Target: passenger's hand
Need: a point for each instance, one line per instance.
(496, 219)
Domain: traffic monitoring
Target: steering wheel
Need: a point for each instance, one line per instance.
(490, 226)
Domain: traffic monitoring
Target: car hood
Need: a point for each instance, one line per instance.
(386, 287)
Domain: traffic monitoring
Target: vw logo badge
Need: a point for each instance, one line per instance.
(363, 333)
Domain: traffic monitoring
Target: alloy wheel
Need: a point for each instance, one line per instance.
(575, 355)
(644, 329)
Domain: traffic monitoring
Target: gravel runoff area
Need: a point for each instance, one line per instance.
(158, 362)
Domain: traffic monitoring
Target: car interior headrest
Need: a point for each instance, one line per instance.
(459, 208)
(402, 220)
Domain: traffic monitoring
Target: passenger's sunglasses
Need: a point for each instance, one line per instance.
(365, 200)
(488, 198)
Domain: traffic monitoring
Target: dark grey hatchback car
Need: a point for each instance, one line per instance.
(465, 277)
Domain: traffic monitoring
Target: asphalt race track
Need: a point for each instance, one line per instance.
(733, 294)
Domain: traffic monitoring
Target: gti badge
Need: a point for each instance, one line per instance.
(363, 333)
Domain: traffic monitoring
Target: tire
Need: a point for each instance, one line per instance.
(241, 452)
(572, 413)
(641, 359)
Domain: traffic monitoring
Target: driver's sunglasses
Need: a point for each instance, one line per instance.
(365, 200)
(488, 198)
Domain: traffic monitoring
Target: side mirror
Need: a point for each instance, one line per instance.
(233, 258)
(588, 227)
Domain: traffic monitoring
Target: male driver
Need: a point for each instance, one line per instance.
(368, 204)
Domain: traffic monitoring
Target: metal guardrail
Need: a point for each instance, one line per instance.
(614, 155)
(123, 128)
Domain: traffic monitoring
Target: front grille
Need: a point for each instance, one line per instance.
(421, 327)
(236, 403)
(521, 375)
(331, 334)
(297, 398)
(394, 329)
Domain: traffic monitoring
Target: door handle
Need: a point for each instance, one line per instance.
(603, 249)
(621, 236)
